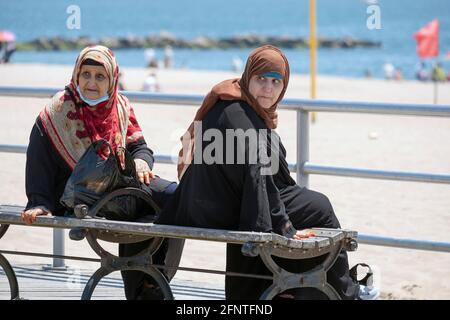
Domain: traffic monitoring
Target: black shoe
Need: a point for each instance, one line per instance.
(77, 234)
(150, 290)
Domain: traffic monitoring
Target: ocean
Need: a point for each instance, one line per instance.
(399, 19)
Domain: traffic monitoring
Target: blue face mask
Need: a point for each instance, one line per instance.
(92, 102)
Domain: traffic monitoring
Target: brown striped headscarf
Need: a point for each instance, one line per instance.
(72, 125)
(261, 60)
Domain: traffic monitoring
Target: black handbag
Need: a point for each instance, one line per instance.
(95, 176)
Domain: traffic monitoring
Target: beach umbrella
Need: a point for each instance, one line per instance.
(7, 36)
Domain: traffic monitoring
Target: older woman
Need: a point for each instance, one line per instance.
(218, 190)
(90, 108)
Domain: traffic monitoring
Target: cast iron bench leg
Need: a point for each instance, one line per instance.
(9, 272)
(314, 278)
(12, 279)
(139, 262)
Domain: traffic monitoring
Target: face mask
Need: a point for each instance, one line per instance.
(92, 102)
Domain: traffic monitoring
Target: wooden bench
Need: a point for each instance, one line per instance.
(266, 245)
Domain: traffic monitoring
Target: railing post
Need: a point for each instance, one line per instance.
(302, 147)
(58, 247)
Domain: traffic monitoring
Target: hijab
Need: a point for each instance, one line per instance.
(72, 125)
(262, 60)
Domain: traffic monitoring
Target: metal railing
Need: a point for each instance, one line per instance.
(303, 167)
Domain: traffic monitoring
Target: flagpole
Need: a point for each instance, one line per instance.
(434, 78)
(312, 52)
(435, 92)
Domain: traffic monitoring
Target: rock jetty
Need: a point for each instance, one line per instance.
(166, 39)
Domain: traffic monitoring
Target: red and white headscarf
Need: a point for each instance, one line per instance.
(72, 125)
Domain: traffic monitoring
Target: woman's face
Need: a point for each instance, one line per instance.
(93, 81)
(265, 90)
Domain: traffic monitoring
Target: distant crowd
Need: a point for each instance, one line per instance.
(422, 73)
(436, 73)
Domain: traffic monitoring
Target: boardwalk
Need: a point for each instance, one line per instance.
(37, 283)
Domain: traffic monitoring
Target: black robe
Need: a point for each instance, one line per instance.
(238, 197)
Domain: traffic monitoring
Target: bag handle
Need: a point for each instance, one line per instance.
(92, 212)
(98, 144)
(126, 165)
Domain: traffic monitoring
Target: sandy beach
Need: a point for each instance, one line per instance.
(377, 207)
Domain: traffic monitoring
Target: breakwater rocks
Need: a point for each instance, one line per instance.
(165, 39)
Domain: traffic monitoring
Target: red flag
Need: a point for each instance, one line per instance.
(428, 40)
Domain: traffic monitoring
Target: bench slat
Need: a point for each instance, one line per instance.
(324, 237)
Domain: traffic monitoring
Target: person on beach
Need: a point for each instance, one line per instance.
(438, 73)
(421, 72)
(151, 83)
(389, 71)
(150, 58)
(168, 57)
(121, 85)
(9, 49)
(225, 193)
(90, 108)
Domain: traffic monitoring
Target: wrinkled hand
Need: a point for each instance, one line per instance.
(144, 174)
(303, 234)
(29, 216)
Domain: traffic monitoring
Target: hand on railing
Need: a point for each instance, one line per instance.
(29, 216)
(303, 234)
